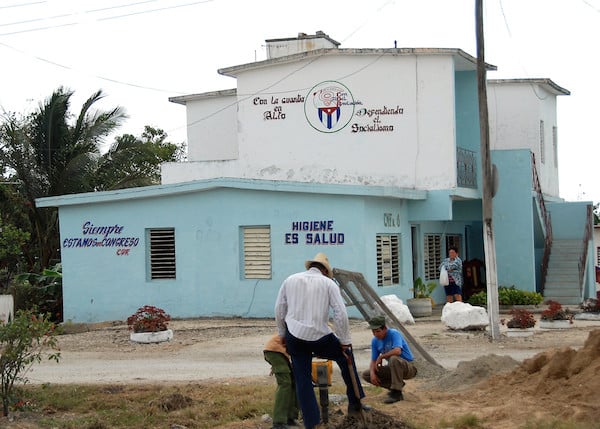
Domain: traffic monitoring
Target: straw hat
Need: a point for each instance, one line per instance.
(321, 258)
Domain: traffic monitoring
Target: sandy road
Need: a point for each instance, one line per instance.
(205, 349)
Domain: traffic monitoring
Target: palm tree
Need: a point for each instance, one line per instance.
(48, 155)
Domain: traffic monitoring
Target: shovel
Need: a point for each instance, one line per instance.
(350, 360)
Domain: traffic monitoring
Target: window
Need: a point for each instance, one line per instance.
(452, 241)
(432, 256)
(555, 145)
(257, 252)
(162, 253)
(542, 144)
(598, 256)
(388, 260)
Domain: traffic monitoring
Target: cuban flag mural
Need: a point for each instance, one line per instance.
(329, 106)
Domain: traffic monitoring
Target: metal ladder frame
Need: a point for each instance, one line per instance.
(356, 291)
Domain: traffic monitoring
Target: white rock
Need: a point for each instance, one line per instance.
(399, 309)
(461, 315)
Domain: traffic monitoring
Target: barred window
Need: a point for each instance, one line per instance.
(388, 260)
(432, 255)
(257, 252)
(452, 241)
(162, 253)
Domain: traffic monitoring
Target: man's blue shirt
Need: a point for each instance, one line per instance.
(393, 338)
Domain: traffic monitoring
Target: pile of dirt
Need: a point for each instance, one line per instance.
(472, 372)
(559, 384)
(372, 419)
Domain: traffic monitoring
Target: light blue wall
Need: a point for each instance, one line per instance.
(99, 284)
(568, 223)
(568, 220)
(467, 116)
(513, 220)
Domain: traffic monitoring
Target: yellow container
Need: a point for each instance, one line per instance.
(319, 363)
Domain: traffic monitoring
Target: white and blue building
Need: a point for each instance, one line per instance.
(371, 156)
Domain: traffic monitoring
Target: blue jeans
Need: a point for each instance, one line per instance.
(302, 352)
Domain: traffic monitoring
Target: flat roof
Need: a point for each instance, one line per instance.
(462, 60)
(548, 84)
(232, 183)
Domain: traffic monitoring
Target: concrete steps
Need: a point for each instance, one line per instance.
(562, 280)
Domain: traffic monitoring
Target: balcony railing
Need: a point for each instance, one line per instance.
(466, 168)
(547, 222)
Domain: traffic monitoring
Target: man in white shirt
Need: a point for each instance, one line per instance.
(302, 316)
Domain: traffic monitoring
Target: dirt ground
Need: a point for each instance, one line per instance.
(553, 374)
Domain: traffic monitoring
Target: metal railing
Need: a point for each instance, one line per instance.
(587, 235)
(547, 222)
(466, 168)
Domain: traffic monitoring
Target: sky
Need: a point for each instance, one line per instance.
(141, 52)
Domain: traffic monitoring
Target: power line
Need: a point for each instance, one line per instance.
(92, 11)
(120, 82)
(21, 4)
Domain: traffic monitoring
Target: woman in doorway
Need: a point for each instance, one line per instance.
(453, 265)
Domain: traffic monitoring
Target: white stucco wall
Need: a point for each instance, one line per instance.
(515, 112)
(219, 140)
(278, 141)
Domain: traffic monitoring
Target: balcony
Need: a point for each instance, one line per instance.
(466, 168)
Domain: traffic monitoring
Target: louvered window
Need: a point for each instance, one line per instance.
(162, 253)
(257, 252)
(388, 260)
(432, 256)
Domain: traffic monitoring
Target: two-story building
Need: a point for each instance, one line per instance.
(369, 155)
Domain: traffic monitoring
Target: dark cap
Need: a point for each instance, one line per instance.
(377, 322)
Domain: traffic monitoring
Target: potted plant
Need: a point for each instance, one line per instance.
(555, 316)
(149, 324)
(421, 304)
(521, 323)
(590, 310)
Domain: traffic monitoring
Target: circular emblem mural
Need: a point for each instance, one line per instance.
(329, 106)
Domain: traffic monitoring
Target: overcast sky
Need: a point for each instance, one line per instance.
(141, 52)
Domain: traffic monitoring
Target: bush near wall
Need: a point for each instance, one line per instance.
(509, 295)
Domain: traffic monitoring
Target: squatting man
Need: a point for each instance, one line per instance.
(389, 345)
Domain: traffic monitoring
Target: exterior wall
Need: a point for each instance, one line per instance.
(303, 43)
(278, 140)
(596, 245)
(110, 283)
(513, 220)
(568, 220)
(515, 112)
(221, 113)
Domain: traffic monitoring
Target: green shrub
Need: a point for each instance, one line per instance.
(23, 342)
(509, 296)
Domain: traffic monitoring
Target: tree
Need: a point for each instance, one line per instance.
(133, 161)
(22, 342)
(49, 154)
(596, 212)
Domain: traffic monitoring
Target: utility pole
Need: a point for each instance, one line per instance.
(491, 273)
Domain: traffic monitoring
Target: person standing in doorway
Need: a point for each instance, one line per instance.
(302, 315)
(453, 265)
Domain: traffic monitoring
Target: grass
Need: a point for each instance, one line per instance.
(143, 406)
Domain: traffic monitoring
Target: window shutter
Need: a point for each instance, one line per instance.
(162, 253)
(257, 252)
